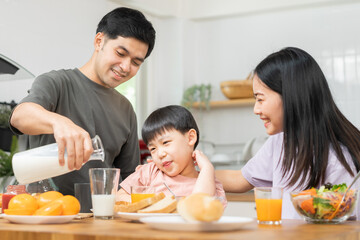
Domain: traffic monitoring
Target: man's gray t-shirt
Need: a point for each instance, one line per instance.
(99, 110)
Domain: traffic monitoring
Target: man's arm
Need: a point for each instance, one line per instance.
(33, 119)
(233, 181)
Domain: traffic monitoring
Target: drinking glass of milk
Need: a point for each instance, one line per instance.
(104, 183)
(43, 162)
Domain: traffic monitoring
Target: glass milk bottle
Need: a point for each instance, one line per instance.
(40, 163)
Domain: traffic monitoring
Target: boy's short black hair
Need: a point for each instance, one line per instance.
(169, 118)
(127, 22)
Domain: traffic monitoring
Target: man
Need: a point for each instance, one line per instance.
(72, 106)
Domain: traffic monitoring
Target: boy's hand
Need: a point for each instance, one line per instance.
(201, 160)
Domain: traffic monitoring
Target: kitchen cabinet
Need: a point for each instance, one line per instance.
(242, 209)
(241, 204)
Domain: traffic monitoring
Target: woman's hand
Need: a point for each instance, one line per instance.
(205, 182)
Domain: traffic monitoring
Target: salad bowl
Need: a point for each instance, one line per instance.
(325, 205)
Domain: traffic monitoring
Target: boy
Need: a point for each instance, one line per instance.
(172, 135)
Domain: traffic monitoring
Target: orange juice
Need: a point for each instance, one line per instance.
(268, 209)
(135, 197)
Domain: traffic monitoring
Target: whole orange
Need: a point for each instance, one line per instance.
(23, 201)
(70, 204)
(47, 197)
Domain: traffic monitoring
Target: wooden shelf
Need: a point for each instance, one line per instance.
(228, 103)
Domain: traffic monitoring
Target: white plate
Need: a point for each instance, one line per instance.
(137, 216)
(38, 219)
(177, 223)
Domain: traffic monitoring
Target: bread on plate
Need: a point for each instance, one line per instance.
(134, 207)
(200, 207)
(165, 205)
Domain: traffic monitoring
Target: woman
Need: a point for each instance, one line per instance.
(311, 142)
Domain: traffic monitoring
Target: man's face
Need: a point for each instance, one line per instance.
(117, 60)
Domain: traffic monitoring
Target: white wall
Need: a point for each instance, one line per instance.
(164, 66)
(42, 35)
(222, 49)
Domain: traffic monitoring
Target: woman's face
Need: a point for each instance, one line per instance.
(268, 106)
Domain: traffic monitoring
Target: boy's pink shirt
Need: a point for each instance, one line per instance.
(150, 175)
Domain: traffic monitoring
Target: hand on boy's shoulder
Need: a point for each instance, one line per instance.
(201, 160)
(139, 166)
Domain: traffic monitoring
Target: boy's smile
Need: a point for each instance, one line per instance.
(171, 151)
(166, 164)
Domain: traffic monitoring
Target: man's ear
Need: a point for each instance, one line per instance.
(192, 136)
(99, 41)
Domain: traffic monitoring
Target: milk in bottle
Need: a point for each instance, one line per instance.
(40, 163)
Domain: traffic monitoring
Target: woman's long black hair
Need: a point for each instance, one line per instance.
(312, 121)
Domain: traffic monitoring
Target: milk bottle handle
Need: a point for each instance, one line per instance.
(99, 153)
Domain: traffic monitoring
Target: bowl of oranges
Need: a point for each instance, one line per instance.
(47, 207)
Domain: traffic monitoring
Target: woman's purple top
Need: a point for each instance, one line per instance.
(264, 170)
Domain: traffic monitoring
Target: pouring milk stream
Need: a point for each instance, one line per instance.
(40, 163)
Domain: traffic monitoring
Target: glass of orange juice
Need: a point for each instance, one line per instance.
(141, 192)
(268, 202)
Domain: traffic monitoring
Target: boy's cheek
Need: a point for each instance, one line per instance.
(156, 161)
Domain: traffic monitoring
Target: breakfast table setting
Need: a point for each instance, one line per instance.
(135, 226)
(326, 213)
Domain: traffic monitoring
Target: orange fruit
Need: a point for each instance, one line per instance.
(50, 209)
(35, 195)
(18, 211)
(47, 197)
(70, 204)
(23, 201)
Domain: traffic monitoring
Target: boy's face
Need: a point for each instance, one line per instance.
(172, 152)
(117, 60)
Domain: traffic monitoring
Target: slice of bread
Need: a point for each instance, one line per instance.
(166, 205)
(122, 203)
(134, 207)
